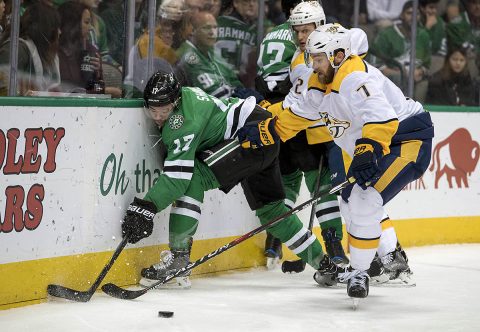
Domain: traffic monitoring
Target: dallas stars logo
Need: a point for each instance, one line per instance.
(176, 121)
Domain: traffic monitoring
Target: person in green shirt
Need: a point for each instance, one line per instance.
(202, 136)
(435, 26)
(200, 66)
(464, 32)
(392, 48)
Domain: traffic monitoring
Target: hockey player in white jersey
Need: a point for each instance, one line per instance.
(388, 136)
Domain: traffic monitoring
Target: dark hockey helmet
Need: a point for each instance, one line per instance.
(162, 89)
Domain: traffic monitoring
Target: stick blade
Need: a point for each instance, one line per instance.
(293, 266)
(120, 293)
(68, 293)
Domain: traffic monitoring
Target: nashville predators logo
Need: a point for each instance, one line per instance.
(176, 121)
(336, 127)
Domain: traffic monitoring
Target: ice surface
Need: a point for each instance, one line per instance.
(445, 299)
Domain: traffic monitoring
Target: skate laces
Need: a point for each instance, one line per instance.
(166, 259)
(357, 277)
(388, 258)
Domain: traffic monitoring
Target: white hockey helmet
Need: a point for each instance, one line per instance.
(328, 39)
(307, 12)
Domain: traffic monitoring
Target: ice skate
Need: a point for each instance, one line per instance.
(334, 247)
(357, 284)
(170, 262)
(396, 267)
(328, 272)
(377, 272)
(273, 251)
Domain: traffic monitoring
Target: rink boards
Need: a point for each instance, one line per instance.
(69, 167)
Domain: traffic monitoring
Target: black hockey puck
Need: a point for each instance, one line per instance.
(165, 314)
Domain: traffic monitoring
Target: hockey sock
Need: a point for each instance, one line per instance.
(292, 232)
(327, 209)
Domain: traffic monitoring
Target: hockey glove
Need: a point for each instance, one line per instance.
(138, 220)
(244, 93)
(364, 167)
(257, 134)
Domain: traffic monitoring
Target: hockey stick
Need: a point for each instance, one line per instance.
(299, 265)
(125, 294)
(79, 296)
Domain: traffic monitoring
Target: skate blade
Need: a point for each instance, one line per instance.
(381, 279)
(355, 302)
(272, 263)
(176, 283)
(397, 283)
(407, 279)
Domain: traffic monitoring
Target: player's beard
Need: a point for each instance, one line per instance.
(326, 78)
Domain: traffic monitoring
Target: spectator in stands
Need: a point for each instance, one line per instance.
(111, 11)
(464, 31)
(38, 67)
(453, 84)
(434, 25)
(98, 26)
(213, 6)
(452, 10)
(79, 58)
(392, 48)
(177, 13)
(200, 66)
(170, 20)
(383, 12)
(237, 39)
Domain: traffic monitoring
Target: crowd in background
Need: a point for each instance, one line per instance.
(78, 46)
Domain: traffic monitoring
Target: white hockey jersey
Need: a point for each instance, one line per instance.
(300, 67)
(360, 102)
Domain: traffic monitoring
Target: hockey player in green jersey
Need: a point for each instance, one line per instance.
(300, 156)
(200, 133)
(276, 53)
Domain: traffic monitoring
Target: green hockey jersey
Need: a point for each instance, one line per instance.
(199, 122)
(208, 72)
(235, 41)
(276, 52)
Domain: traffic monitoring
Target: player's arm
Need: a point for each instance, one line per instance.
(380, 123)
(177, 172)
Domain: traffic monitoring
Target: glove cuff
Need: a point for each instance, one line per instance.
(363, 145)
(150, 206)
(264, 104)
(268, 134)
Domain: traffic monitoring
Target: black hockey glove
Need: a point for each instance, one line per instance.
(257, 134)
(364, 167)
(138, 220)
(244, 93)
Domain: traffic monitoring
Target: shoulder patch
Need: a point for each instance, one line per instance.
(176, 121)
(191, 58)
(355, 63)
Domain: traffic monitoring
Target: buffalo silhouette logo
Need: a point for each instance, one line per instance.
(459, 154)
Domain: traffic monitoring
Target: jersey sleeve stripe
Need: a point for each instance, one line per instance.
(236, 118)
(179, 163)
(180, 204)
(186, 212)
